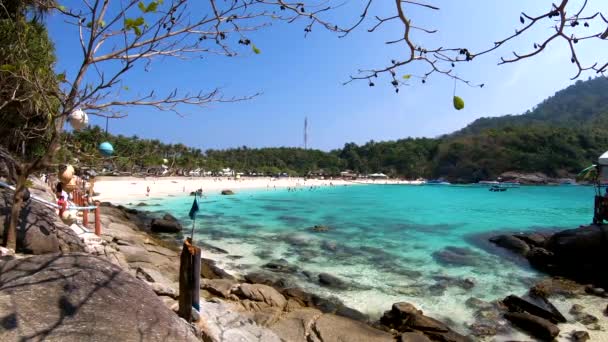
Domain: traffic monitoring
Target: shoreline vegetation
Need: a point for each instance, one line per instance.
(255, 306)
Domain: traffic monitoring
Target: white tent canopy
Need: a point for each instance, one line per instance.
(378, 175)
(603, 160)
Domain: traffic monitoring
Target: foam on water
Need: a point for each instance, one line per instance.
(382, 238)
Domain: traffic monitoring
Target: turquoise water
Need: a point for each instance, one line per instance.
(382, 238)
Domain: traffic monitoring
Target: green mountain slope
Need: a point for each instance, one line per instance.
(580, 104)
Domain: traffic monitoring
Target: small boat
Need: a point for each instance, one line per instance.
(437, 182)
(510, 184)
(497, 188)
(485, 183)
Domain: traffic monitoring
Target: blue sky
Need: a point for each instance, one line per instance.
(303, 77)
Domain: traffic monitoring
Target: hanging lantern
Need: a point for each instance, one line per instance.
(67, 174)
(69, 186)
(106, 149)
(78, 119)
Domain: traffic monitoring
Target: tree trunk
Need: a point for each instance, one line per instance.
(11, 232)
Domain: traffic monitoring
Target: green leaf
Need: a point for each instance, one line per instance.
(139, 21)
(7, 67)
(61, 77)
(152, 6)
(407, 77)
(62, 8)
(125, 88)
(458, 103)
(255, 49)
(90, 24)
(102, 23)
(141, 6)
(137, 31)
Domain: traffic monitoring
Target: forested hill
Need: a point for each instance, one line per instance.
(562, 135)
(583, 103)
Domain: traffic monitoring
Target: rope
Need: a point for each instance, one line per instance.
(43, 201)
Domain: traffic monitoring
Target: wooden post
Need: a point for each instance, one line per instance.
(185, 281)
(97, 219)
(85, 217)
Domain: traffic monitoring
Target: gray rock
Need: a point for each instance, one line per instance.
(218, 287)
(56, 297)
(165, 226)
(405, 317)
(296, 325)
(227, 192)
(210, 270)
(281, 265)
(164, 290)
(40, 230)
(260, 293)
(511, 243)
(536, 326)
(332, 328)
(413, 337)
(579, 336)
(222, 322)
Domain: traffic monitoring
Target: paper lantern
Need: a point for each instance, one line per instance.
(66, 175)
(106, 149)
(69, 186)
(78, 119)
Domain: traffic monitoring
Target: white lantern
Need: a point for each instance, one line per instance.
(67, 174)
(78, 119)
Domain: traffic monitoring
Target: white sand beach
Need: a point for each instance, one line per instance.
(125, 189)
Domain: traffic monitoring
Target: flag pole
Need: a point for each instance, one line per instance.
(193, 224)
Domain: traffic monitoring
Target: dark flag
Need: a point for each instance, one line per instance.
(194, 209)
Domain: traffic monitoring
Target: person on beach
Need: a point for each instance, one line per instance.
(148, 191)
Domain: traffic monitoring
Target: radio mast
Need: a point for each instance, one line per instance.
(305, 132)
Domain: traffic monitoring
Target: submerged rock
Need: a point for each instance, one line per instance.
(332, 281)
(457, 256)
(281, 265)
(511, 243)
(227, 192)
(209, 270)
(320, 228)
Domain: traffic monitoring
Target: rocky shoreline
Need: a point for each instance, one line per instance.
(264, 306)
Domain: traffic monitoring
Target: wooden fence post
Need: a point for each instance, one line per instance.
(185, 281)
(97, 219)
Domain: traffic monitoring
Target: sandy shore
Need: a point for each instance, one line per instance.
(125, 189)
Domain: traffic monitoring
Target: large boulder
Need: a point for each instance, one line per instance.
(165, 226)
(210, 270)
(581, 253)
(39, 230)
(77, 296)
(332, 328)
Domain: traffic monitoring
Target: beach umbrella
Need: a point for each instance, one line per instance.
(106, 149)
(78, 119)
(589, 172)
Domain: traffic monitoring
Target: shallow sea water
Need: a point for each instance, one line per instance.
(382, 238)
